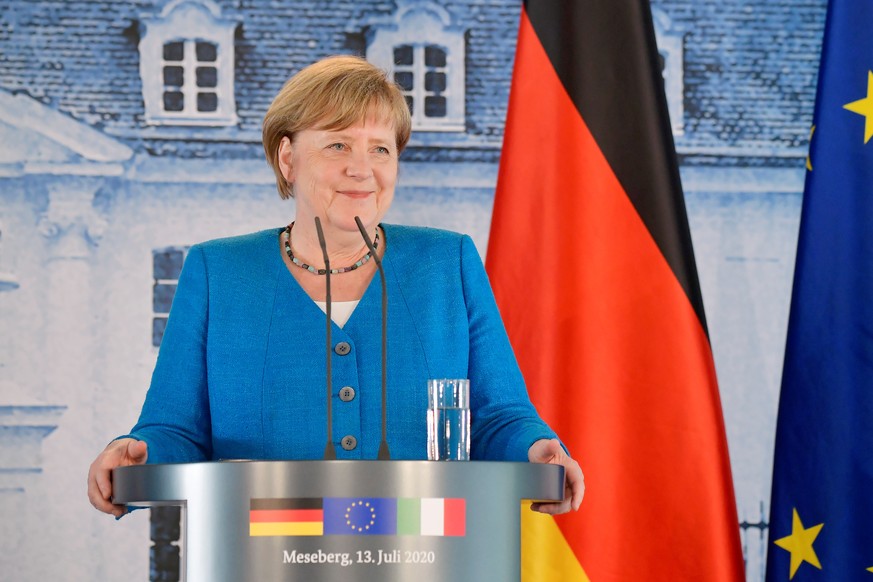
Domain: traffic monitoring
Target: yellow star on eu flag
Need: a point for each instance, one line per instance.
(799, 543)
(865, 107)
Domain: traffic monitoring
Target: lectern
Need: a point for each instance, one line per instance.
(347, 521)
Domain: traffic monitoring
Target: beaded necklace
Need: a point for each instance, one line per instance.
(286, 239)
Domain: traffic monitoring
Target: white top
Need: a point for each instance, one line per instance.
(340, 311)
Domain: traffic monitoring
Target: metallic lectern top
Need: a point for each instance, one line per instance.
(347, 521)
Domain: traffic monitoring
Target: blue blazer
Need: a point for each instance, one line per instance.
(241, 369)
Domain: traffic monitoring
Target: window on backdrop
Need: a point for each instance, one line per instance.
(166, 268)
(190, 77)
(187, 66)
(424, 53)
(420, 71)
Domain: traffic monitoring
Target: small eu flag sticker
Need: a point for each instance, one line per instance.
(360, 516)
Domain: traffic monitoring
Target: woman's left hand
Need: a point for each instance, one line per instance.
(551, 451)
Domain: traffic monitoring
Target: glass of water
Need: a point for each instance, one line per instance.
(448, 420)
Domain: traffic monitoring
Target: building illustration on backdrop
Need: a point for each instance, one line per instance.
(131, 130)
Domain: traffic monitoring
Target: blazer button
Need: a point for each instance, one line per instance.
(342, 348)
(347, 394)
(349, 442)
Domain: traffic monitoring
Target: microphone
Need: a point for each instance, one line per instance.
(329, 449)
(384, 454)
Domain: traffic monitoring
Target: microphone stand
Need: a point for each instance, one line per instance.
(329, 449)
(384, 454)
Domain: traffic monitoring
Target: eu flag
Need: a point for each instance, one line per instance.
(821, 514)
(360, 516)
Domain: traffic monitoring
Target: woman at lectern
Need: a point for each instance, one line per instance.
(241, 369)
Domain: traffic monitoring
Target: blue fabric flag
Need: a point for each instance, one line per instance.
(821, 514)
(360, 516)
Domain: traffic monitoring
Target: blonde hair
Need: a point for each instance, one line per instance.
(333, 93)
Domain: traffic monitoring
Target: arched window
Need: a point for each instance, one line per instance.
(187, 66)
(424, 53)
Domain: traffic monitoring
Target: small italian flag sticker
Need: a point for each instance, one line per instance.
(431, 517)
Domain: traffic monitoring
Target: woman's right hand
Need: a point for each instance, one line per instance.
(119, 453)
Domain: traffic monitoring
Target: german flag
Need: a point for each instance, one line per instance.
(591, 261)
(286, 517)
